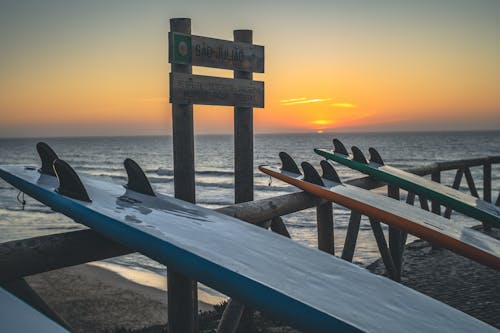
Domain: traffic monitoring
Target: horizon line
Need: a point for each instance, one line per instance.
(255, 134)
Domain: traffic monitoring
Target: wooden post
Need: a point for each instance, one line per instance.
(182, 291)
(324, 218)
(243, 177)
(487, 181)
(435, 207)
(395, 235)
(487, 187)
(243, 136)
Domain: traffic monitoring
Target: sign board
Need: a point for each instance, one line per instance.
(217, 53)
(209, 90)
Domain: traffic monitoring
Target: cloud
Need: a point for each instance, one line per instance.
(303, 100)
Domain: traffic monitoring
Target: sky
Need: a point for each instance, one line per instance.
(97, 67)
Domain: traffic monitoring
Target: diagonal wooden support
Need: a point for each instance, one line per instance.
(384, 250)
(456, 186)
(351, 236)
(470, 183)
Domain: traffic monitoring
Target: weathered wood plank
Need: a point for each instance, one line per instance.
(210, 90)
(216, 53)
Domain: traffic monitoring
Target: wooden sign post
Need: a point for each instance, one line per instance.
(186, 89)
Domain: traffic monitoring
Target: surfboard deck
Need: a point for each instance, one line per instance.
(459, 201)
(17, 316)
(436, 229)
(307, 288)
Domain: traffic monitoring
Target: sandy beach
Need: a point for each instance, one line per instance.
(95, 299)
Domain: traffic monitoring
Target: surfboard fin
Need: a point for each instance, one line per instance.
(329, 172)
(375, 156)
(339, 147)
(288, 164)
(70, 184)
(137, 180)
(311, 175)
(358, 156)
(47, 156)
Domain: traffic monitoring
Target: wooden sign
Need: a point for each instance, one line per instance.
(217, 53)
(209, 90)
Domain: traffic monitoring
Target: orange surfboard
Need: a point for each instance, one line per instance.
(423, 224)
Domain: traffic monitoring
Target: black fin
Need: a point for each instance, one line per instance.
(329, 172)
(137, 180)
(48, 156)
(288, 164)
(375, 156)
(358, 156)
(339, 147)
(70, 184)
(311, 175)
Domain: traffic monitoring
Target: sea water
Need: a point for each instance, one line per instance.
(214, 154)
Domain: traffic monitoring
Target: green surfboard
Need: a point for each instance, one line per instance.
(447, 196)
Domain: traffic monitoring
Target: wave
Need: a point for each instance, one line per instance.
(170, 172)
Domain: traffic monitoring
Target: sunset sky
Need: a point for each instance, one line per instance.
(101, 67)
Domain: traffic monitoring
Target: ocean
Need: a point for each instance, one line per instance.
(103, 156)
